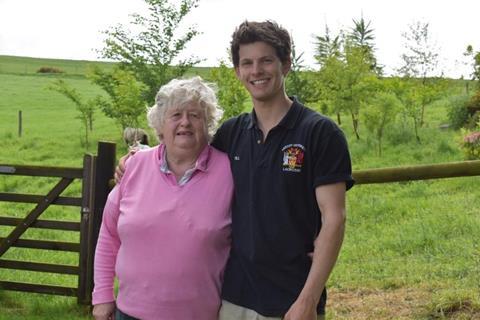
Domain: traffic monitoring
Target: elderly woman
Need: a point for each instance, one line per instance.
(165, 233)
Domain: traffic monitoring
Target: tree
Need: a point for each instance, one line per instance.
(150, 53)
(86, 109)
(327, 47)
(363, 37)
(407, 91)
(421, 57)
(329, 57)
(476, 66)
(330, 87)
(381, 111)
(359, 83)
(469, 61)
(473, 62)
(420, 61)
(125, 103)
(346, 76)
(297, 82)
(347, 81)
(231, 93)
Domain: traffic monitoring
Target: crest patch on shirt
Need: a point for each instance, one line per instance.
(293, 155)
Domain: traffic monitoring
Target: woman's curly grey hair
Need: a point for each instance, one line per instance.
(179, 93)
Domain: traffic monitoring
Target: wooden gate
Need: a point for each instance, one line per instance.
(95, 175)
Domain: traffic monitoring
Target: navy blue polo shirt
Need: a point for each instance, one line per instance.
(275, 216)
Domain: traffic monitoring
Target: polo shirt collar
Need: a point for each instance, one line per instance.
(201, 163)
(288, 121)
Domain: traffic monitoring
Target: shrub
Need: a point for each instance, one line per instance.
(400, 133)
(471, 145)
(472, 121)
(458, 114)
(474, 103)
(445, 148)
(49, 70)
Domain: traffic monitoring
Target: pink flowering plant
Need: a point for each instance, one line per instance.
(471, 145)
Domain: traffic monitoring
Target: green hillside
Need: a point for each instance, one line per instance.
(28, 65)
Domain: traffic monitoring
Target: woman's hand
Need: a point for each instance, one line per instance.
(104, 311)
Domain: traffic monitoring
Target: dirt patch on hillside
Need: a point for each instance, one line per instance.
(393, 304)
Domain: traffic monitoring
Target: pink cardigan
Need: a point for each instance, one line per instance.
(166, 244)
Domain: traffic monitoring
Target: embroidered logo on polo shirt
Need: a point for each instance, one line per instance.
(293, 155)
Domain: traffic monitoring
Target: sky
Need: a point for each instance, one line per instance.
(71, 29)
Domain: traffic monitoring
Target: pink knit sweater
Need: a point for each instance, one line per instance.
(166, 244)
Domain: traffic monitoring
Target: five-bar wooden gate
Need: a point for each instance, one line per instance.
(95, 175)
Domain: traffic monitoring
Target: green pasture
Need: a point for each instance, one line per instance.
(416, 236)
(26, 65)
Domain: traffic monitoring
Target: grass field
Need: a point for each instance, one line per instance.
(412, 249)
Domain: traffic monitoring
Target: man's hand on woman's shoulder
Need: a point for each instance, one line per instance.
(120, 168)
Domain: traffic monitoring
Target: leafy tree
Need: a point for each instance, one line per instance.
(420, 61)
(150, 53)
(469, 55)
(408, 92)
(362, 36)
(381, 111)
(327, 47)
(476, 67)
(86, 109)
(231, 93)
(359, 83)
(329, 57)
(125, 103)
(346, 77)
(297, 83)
(330, 86)
(421, 57)
(346, 82)
(473, 62)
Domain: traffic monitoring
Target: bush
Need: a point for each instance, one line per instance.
(445, 148)
(474, 103)
(458, 114)
(471, 145)
(400, 133)
(49, 70)
(472, 121)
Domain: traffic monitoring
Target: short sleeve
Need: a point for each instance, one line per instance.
(332, 161)
(221, 139)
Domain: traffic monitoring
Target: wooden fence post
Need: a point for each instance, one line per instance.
(19, 123)
(104, 168)
(84, 295)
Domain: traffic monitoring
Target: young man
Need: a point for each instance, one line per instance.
(291, 168)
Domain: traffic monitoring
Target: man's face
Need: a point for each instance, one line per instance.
(261, 71)
(185, 128)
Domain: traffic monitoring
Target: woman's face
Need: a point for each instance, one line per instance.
(185, 129)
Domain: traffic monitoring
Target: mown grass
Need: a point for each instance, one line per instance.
(412, 239)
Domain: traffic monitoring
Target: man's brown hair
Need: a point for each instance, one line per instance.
(267, 31)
